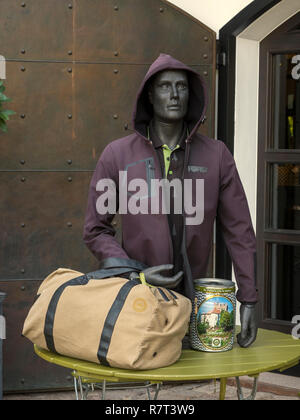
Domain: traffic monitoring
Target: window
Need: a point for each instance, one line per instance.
(286, 101)
(278, 201)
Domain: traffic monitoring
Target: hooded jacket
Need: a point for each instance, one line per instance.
(146, 238)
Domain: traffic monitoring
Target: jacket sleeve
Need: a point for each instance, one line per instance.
(235, 219)
(98, 233)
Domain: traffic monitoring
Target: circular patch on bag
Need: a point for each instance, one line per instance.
(139, 305)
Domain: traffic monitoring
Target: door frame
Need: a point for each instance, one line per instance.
(279, 41)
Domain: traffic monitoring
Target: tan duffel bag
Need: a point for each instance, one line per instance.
(114, 322)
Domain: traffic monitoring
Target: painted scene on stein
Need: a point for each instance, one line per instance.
(215, 322)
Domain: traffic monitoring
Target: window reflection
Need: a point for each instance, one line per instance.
(286, 196)
(286, 103)
(285, 281)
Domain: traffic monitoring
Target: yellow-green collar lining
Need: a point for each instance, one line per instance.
(167, 154)
(167, 157)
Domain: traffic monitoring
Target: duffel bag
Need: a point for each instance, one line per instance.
(115, 322)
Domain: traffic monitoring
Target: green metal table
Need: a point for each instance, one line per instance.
(271, 351)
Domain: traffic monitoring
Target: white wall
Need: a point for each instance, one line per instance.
(213, 13)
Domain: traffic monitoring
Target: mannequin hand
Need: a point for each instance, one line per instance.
(154, 276)
(249, 328)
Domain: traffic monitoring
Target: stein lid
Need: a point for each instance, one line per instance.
(211, 282)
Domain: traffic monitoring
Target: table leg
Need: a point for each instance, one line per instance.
(83, 391)
(223, 382)
(157, 391)
(103, 390)
(76, 388)
(240, 394)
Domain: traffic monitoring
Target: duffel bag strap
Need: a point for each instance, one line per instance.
(114, 267)
(50, 315)
(111, 320)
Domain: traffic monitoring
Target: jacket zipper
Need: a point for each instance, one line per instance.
(156, 159)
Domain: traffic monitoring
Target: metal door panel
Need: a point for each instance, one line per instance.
(42, 230)
(137, 32)
(105, 96)
(22, 369)
(146, 29)
(36, 29)
(95, 35)
(40, 135)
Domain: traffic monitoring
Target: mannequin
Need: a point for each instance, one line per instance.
(165, 144)
(169, 96)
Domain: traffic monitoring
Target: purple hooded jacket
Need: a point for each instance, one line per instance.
(146, 237)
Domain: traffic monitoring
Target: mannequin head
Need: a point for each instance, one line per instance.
(169, 95)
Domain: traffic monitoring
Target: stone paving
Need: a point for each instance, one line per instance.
(208, 390)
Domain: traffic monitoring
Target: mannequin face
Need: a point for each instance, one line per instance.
(169, 95)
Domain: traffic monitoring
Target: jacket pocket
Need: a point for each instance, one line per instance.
(142, 169)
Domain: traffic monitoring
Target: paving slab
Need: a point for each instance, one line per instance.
(207, 390)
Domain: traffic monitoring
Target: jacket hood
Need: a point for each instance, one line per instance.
(143, 112)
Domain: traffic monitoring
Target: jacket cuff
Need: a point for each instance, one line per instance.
(122, 263)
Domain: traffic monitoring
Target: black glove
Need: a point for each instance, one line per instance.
(153, 276)
(249, 327)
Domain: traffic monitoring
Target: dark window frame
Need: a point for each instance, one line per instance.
(281, 41)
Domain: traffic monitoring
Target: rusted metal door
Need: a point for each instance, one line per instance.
(73, 70)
